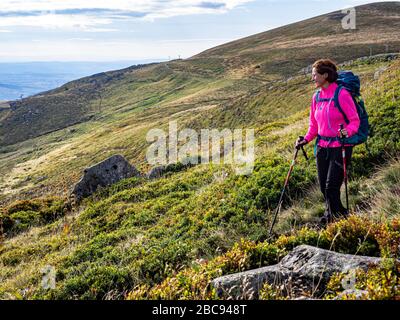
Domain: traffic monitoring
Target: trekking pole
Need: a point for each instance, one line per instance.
(278, 208)
(302, 149)
(344, 166)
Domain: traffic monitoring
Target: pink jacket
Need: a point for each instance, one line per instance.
(325, 118)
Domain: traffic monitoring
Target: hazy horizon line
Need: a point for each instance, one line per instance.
(83, 61)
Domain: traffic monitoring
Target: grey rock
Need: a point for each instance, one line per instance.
(358, 294)
(103, 174)
(303, 272)
(304, 298)
(40, 179)
(379, 72)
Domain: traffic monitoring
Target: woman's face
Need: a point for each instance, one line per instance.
(319, 79)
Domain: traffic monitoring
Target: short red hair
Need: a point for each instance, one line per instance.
(327, 66)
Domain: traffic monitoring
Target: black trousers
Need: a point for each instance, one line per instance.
(331, 176)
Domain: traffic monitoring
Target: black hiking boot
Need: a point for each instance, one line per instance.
(325, 220)
(341, 215)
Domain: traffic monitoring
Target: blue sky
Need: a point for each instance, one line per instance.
(112, 30)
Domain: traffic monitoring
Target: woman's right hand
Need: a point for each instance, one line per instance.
(300, 142)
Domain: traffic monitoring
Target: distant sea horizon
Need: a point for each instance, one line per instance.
(22, 79)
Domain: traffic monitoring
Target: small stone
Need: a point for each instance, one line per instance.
(354, 293)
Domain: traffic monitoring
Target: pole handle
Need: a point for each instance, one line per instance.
(341, 128)
(302, 148)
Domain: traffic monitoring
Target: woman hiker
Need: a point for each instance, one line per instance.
(325, 122)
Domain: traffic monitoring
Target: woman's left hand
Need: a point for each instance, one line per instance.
(343, 133)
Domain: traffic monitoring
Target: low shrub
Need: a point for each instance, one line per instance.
(23, 214)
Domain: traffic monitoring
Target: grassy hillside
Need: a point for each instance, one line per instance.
(138, 234)
(166, 238)
(237, 84)
(289, 48)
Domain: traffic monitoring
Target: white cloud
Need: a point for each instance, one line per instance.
(109, 50)
(79, 39)
(90, 13)
(55, 21)
(137, 5)
(100, 30)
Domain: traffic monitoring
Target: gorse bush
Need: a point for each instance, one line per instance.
(377, 283)
(21, 215)
(354, 236)
(358, 235)
(99, 282)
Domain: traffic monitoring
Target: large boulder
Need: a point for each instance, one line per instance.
(103, 174)
(303, 272)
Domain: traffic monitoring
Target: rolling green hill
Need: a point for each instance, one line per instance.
(141, 238)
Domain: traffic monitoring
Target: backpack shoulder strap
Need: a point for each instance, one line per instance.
(337, 104)
(317, 95)
(318, 99)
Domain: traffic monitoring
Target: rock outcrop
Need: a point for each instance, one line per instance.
(303, 272)
(103, 174)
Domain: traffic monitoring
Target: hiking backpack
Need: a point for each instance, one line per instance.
(351, 82)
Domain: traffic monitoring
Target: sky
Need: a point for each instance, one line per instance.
(115, 30)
